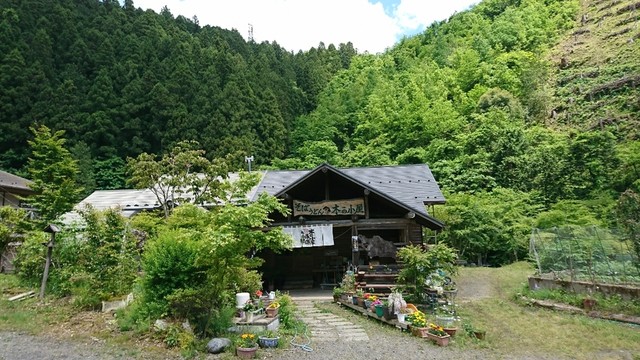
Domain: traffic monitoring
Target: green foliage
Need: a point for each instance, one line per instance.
(94, 262)
(612, 304)
(126, 81)
(566, 212)
(286, 313)
(53, 172)
(489, 227)
(629, 216)
(13, 224)
(198, 259)
(419, 264)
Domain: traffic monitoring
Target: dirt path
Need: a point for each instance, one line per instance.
(475, 284)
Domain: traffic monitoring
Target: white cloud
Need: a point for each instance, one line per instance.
(302, 24)
(415, 14)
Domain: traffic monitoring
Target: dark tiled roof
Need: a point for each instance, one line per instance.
(411, 185)
(14, 182)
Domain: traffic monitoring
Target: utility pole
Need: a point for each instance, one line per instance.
(249, 160)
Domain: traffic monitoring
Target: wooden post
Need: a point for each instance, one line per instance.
(52, 229)
(366, 203)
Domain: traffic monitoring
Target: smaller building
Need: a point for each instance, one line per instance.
(13, 189)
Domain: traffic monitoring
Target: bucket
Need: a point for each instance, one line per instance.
(272, 295)
(241, 299)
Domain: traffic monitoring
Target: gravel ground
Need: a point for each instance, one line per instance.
(16, 346)
(385, 342)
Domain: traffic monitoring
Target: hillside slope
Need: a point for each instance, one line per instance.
(597, 77)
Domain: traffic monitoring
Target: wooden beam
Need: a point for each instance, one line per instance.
(361, 223)
(326, 184)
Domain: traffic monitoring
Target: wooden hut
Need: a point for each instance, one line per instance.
(345, 217)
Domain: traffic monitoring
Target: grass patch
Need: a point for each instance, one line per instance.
(513, 329)
(28, 315)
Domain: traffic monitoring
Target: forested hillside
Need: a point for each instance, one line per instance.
(526, 110)
(121, 81)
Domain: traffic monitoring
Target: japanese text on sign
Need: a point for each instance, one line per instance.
(330, 208)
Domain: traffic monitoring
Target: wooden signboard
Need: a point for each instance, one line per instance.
(329, 208)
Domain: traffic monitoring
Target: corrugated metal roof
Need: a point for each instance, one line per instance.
(412, 185)
(125, 199)
(11, 181)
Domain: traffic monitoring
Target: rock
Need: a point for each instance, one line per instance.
(160, 324)
(217, 345)
(187, 326)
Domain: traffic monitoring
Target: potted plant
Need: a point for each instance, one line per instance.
(359, 297)
(269, 339)
(379, 307)
(337, 293)
(418, 321)
(250, 308)
(445, 316)
(247, 346)
(368, 300)
(471, 331)
(272, 309)
(402, 314)
(437, 334)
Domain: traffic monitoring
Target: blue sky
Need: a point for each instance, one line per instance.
(371, 25)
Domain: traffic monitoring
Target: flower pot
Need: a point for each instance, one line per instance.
(246, 353)
(450, 331)
(248, 316)
(400, 317)
(360, 301)
(380, 310)
(367, 304)
(272, 312)
(388, 315)
(440, 340)
(354, 299)
(267, 342)
(420, 331)
(445, 321)
(480, 334)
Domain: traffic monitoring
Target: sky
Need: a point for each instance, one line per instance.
(370, 25)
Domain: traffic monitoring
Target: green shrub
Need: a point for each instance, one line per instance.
(287, 312)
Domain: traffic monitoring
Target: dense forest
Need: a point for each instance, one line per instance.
(526, 110)
(121, 81)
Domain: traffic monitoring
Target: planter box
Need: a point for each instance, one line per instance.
(272, 312)
(422, 332)
(440, 340)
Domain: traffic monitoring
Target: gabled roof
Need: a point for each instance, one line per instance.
(14, 182)
(410, 186)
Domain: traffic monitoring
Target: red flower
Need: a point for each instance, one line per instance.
(258, 293)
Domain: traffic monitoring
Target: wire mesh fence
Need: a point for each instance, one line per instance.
(584, 254)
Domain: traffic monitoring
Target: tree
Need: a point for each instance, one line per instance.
(199, 258)
(53, 172)
(184, 175)
(12, 223)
